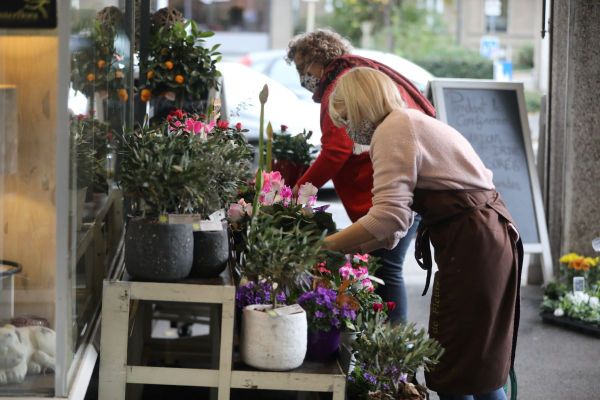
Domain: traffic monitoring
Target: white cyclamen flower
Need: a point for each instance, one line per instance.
(559, 312)
(305, 192)
(594, 302)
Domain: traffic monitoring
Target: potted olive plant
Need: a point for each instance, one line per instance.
(387, 359)
(230, 166)
(172, 171)
(272, 338)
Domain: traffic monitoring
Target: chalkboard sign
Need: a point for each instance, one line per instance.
(492, 117)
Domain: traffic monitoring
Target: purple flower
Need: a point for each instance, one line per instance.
(319, 314)
(370, 378)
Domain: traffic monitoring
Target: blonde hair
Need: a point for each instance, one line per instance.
(363, 93)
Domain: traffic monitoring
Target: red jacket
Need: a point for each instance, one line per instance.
(352, 174)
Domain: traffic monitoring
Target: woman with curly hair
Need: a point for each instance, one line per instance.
(321, 57)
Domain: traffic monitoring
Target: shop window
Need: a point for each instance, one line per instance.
(496, 16)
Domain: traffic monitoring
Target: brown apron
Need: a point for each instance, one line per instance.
(474, 310)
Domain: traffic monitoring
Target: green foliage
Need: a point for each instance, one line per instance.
(294, 148)
(524, 57)
(170, 171)
(455, 62)
(282, 256)
(97, 66)
(178, 63)
(91, 140)
(533, 100)
(387, 355)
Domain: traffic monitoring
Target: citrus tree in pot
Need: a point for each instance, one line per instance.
(275, 338)
(171, 171)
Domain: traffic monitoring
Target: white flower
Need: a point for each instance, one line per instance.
(594, 302)
(578, 298)
(559, 312)
(305, 192)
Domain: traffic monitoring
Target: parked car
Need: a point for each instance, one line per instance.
(241, 86)
(272, 63)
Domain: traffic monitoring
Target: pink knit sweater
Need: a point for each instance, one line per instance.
(412, 150)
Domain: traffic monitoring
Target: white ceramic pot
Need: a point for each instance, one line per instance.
(273, 343)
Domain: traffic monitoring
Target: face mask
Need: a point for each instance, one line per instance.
(363, 134)
(309, 82)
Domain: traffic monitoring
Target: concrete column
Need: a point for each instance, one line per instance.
(573, 195)
(281, 23)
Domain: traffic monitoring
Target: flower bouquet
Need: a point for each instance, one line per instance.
(573, 300)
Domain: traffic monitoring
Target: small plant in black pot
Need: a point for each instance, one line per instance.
(292, 154)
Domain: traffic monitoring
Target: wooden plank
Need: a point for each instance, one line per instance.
(177, 292)
(173, 376)
(226, 351)
(339, 388)
(282, 381)
(115, 323)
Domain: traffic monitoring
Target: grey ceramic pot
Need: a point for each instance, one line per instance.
(158, 252)
(211, 253)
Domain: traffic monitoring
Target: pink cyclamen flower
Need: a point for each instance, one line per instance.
(238, 126)
(236, 212)
(305, 192)
(367, 285)
(222, 124)
(361, 271)
(362, 257)
(286, 195)
(346, 271)
(193, 126)
(312, 200)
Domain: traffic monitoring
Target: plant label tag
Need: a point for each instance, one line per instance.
(187, 219)
(596, 244)
(578, 284)
(206, 225)
(217, 215)
(288, 310)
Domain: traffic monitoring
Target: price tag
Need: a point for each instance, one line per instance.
(288, 310)
(217, 215)
(578, 284)
(211, 225)
(196, 221)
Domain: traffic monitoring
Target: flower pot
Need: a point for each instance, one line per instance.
(273, 343)
(211, 253)
(323, 346)
(158, 252)
(290, 171)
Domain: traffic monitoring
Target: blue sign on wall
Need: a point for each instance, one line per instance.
(488, 46)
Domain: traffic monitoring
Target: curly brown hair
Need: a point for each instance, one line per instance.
(321, 46)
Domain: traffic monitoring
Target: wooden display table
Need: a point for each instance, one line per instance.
(116, 371)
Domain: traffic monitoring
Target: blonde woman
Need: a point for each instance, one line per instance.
(423, 165)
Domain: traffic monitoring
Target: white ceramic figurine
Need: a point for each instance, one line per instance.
(26, 350)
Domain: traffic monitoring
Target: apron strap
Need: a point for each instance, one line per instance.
(423, 254)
